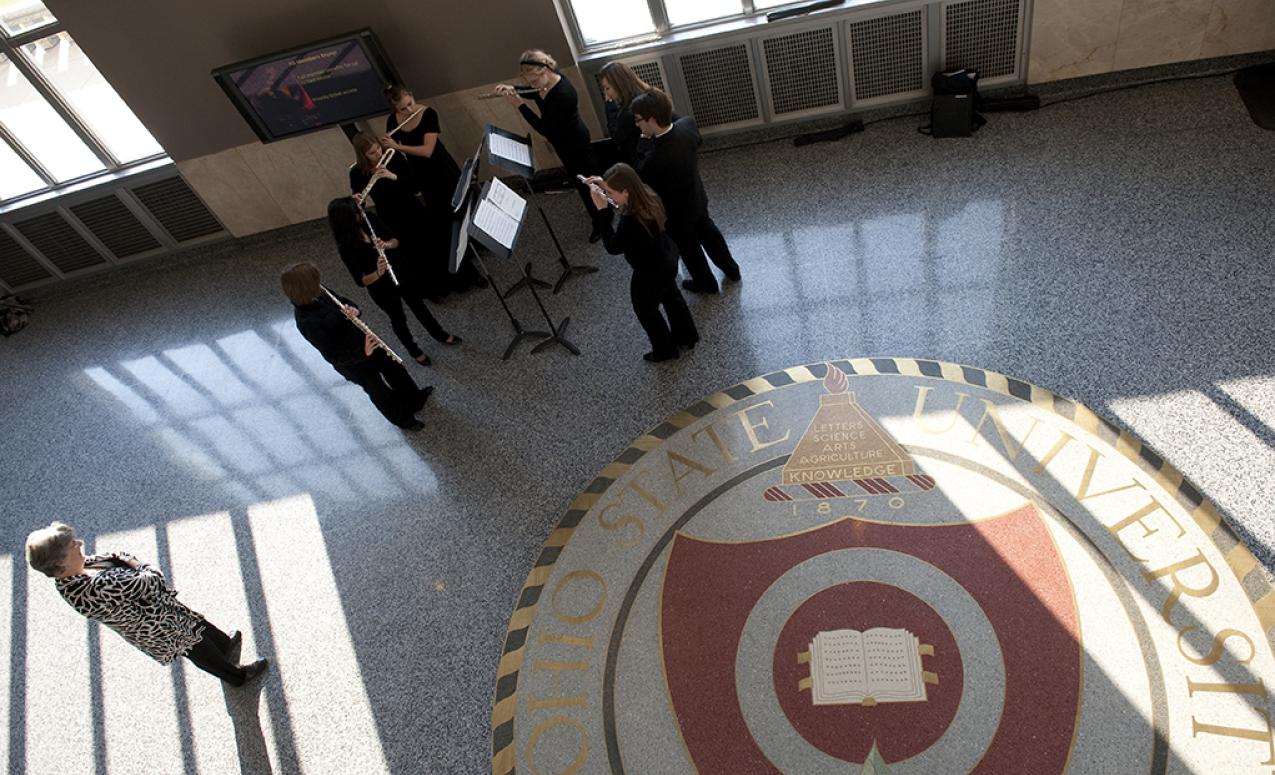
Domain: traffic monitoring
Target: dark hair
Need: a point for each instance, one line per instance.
(643, 204)
(628, 86)
(395, 92)
(300, 282)
(343, 219)
(362, 142)
(654, 104)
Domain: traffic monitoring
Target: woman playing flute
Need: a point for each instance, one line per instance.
(413, 130)
(558, 120)
(364, 246)
(355, 355)
(640, 236)
(423, 268)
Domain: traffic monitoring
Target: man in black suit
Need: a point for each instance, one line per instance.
(672, 169)
(355, 355)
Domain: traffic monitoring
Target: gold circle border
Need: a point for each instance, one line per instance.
(1238, 557)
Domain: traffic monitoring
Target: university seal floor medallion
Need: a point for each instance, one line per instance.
(888, 566)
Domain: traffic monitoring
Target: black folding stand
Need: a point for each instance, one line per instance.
(557, 337)
(520, 333)
(569, 270)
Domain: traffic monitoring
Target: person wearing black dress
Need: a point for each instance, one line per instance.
(359, 253)
(640, 236)
(620, 86)
(559, 121)
(424, 267)
(417, 136)
(352, 353)
(672, 169)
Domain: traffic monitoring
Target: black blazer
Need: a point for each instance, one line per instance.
(672, 169)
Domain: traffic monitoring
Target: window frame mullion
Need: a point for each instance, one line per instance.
(659, 15)
(29, 158)
(749, 8)
(11, 48)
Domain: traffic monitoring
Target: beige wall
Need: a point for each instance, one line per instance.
(1072, 38)
(254, 187)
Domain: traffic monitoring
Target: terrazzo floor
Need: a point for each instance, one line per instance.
(1117, 250)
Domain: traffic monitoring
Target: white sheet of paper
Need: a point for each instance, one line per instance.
(504, 197)
(496, 222)
(510, 149)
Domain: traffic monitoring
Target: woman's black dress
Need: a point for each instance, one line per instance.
(560, 123)
(406, 216)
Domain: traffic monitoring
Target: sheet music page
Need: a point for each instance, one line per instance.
(837, 667)
(506, 199)
(513, 150)
(462, 242)
(497, 223)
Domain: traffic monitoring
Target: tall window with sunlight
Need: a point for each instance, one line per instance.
(59, 119)
(608, 23)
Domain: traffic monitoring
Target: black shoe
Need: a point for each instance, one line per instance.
(733, 277)
(422, 396)
(452, 339)
(653, 358)
(688, 345)
(695, 287)
(255, 669)
(413, 426)
(422, 359)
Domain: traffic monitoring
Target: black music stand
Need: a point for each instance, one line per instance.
(558, 336)
(463, 231)
(520, 161)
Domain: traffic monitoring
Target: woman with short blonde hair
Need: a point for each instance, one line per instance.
(130, 597)
(558, 120)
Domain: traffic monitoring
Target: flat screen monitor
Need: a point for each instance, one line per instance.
(311, 87)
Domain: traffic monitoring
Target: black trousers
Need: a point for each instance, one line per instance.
(388, 384)
(654, 298)
(212, 655)
(391, 298)
(695, 237)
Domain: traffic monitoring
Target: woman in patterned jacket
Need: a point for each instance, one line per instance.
(130, 597)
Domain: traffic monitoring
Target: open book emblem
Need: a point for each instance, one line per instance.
(844, 443)
(848, 667)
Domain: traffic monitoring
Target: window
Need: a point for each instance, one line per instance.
(602, 23)
(60, 120)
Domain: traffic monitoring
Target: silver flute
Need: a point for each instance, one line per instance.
(380, 165)
(599, 189)
(376, 243)
(363, 327)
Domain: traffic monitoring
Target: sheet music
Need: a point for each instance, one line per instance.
(504, 197)
(513, 150)
(497, 223)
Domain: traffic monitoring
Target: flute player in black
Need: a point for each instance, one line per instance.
(359, 253)
(640, 236)
(352, 353)
(672, 169)
(559, 121)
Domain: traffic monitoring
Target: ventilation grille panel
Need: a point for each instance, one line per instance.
(59, 242)
(981, 35)
(802, 71)
(887, 55)
(650, 73)
(177, 209)
(116, 227)
(17, 266)
(719, 84)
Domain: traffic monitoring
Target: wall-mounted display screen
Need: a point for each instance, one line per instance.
(310, 87)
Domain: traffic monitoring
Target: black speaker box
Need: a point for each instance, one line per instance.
(952, 115)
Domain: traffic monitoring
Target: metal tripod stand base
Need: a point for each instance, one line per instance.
(558, 338)
(569, 271)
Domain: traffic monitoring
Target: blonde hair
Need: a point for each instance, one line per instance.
(643, 204)
(48, 546)
(300, 282)
(534, 57)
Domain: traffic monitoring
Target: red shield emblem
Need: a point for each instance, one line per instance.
(1018, 643)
